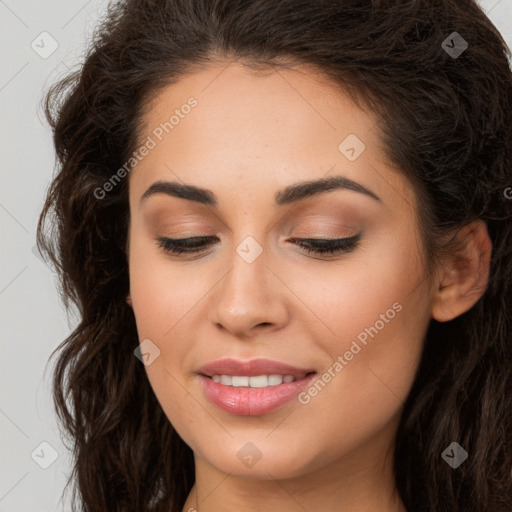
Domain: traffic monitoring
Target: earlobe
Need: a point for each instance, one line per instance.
(464, 275)
(129, 300)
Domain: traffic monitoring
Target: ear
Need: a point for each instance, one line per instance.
(464, 275)
(129, 300)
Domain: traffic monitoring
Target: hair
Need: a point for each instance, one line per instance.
(446, 126)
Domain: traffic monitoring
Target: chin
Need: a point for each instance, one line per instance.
(263, 460)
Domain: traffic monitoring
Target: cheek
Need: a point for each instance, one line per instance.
(351, 294)
(362, 389)
(372, 311)
(163, 291)
(162, 295)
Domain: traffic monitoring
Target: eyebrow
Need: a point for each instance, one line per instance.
(290, 194)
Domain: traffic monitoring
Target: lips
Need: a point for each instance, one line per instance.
(244, 400)
(252, 368)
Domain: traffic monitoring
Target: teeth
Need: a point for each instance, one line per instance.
(275, 380)
(239, 381)
(258, 381)
(226, 379)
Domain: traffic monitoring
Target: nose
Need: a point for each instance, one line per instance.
(250, 299)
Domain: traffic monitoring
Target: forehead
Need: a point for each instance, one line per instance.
(279, 108)
(230, 128)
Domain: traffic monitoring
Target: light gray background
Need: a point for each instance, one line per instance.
(33, 322)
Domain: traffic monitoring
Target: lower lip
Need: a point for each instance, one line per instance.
(246, 401)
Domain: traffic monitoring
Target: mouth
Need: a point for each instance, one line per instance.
(257, 381)
(252, 388)
(252, 368)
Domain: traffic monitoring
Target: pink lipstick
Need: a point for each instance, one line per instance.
(254, 387)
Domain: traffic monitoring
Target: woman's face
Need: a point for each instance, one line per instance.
(350, 324)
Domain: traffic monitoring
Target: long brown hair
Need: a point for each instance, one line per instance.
(447, 126)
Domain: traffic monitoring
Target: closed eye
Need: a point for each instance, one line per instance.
(197, 244)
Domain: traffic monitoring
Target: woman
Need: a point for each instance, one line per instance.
(286, 227)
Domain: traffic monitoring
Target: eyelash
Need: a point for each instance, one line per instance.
(319, 246)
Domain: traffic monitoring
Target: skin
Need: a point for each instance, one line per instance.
(250, 135)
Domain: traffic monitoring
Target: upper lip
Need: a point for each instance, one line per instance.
(251, 368)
